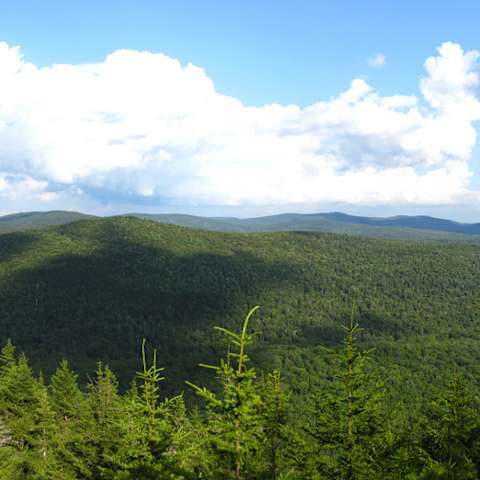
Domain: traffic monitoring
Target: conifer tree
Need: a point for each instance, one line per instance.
(234, 421)
(106, 407)
(452, 434)
(25, 420)
(348, 425)
(275, 417)
(47, 438)
(149, 428)
(75, 446)
(7, 356)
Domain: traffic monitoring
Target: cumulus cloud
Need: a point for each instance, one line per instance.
(141, 126)
(377, 60)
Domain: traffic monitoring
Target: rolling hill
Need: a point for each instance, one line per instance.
(92, 289)
(403, 227)
(422, 222)
(28, 220)
(400, 227)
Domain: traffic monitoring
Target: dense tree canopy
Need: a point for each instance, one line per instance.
(91, 290)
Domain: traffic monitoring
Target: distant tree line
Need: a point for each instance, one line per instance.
(247, 427)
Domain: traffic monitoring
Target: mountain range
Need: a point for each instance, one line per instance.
(401, 227)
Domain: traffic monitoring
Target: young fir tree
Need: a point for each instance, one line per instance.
(7, 357)
(348, 426)
(148, 428)
(47, 439)
(106, 407)
(26, 422)
(234, 421)
(275, 418)
(74, 441)
(452, 434)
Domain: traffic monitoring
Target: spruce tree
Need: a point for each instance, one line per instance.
(75, 443)
(148, 428)
(234, 421)
(26, 422)
(275, 418)
(348, 425)
(7, 357)
(452, 434)
(106, 408)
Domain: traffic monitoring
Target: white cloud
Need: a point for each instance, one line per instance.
(377, 60)
(24, 189)
(140, 126)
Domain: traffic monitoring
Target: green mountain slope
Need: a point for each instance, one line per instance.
(422, 222)
(27, 220)
(415, 228)
(93, 289)
(402, 227)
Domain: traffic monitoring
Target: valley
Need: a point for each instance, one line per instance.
(93, 289)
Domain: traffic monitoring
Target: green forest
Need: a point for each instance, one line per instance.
(125, 358)
(92, 290)
(247, 427)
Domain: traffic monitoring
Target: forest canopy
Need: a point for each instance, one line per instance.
(246, 428)
(92, 290)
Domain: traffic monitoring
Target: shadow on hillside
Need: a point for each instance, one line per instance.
(100, 306)
(13, 244)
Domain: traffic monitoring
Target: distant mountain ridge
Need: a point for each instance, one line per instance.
(401, 227)
(28, 220)
(423, 222)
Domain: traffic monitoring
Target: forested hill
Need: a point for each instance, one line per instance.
(400, 227)
(422, 222)
(91, 290)
(28, 220)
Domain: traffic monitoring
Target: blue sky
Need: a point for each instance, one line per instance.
(257, 53)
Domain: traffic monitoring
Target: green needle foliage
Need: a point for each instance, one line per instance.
(149, 428)
(76, 428)
(349, 426)
(107, 410)
(233, 415)
(452, 434)
(276, 425)
(26, 420)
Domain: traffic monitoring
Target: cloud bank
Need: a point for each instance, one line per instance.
(140, 127)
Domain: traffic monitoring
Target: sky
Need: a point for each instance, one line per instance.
(240, 108)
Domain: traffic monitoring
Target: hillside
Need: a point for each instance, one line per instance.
(422, 222)
(91, 290)
(402, 227)
(28, 220)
